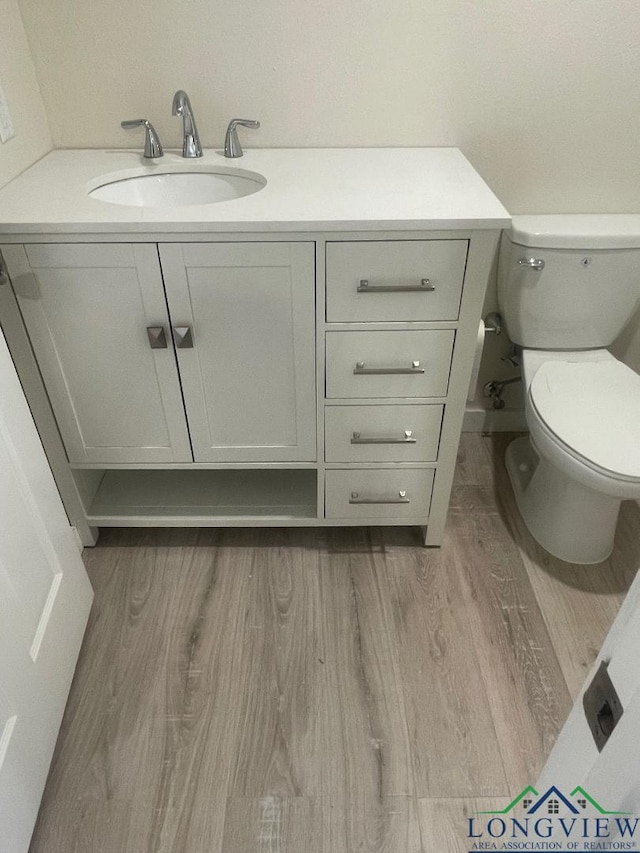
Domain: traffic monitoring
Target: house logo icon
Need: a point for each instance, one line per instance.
(554, 802)
(553, 820)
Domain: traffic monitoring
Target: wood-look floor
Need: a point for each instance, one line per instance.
(323, 691)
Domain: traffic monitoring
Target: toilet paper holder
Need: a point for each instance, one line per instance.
(493, 323)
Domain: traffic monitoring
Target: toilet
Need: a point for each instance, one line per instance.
(567, 286)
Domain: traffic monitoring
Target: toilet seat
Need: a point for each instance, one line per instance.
(592, 409)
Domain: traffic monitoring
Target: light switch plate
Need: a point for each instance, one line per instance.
(6, 124)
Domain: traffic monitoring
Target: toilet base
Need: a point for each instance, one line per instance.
(569, 520)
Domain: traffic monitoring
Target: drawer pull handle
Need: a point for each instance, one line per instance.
(356, 498)
(425, 286)
(360, 369)
(407, 438)
(157, 337)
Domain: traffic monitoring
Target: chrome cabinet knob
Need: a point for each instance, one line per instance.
(157, 337)
(183, 337)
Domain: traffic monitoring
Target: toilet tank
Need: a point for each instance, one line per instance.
(588, 289)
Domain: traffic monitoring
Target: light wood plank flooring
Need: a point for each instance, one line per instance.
(323, 691)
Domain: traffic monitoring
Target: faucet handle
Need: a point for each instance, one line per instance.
(152, 144)
(232, 147)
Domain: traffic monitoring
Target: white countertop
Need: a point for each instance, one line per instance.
(325, 189)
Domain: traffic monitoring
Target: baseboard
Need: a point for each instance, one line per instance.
(493, 420)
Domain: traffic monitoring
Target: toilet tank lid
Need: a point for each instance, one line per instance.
(577, 231)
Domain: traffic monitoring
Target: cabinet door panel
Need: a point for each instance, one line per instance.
(87, 308)
(248, 380)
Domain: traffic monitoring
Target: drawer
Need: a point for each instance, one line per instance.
(382, 433)
(388, 364)
(395, 280)
(379, 493)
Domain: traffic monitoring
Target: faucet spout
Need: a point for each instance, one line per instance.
(191, 141)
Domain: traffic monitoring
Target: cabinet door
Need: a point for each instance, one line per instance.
(87, 308)
(248, 371)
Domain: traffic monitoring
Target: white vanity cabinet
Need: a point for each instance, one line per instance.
(283, 381)
(297, 357)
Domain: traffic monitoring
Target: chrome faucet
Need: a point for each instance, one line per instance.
(232, 147)
(182, 107)
(152, 144)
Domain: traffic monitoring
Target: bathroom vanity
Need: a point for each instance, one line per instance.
(298, 356)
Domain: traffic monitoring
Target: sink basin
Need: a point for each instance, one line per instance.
(175, 189)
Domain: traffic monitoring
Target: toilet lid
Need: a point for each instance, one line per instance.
(594, 409)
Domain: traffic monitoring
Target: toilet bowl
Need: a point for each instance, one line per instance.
(567, 286)
(582, 457)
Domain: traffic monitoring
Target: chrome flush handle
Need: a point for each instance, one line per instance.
(532, 263)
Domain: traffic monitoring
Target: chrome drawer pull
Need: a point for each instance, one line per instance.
(425, 286)
(407, 438)
(401, 499)
(360, 369)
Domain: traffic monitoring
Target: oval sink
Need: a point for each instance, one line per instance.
(175, 189)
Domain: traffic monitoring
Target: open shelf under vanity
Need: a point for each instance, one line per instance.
(179, 497)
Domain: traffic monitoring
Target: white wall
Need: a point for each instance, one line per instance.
(18, 79)
(541, 95)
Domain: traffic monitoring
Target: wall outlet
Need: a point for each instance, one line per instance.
(6, 124)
